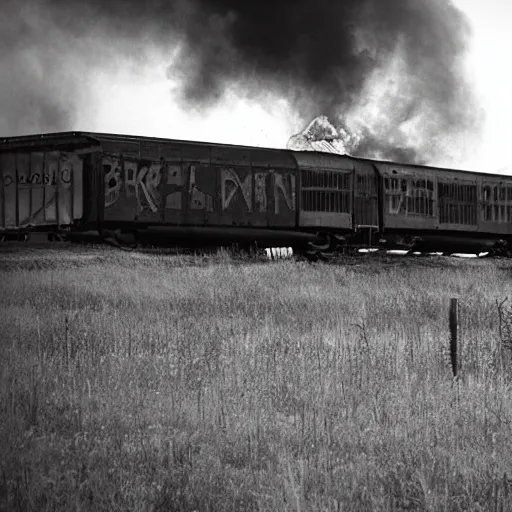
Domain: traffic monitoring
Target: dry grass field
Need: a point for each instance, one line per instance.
(149, 382)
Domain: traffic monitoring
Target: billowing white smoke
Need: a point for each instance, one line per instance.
(321, 135)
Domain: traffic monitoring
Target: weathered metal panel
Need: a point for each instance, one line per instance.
(495, 204)
(64, 141)
(366, 210)
(150, 150)
(122, 147)
(235, 193)
(267, 158)
(133, 188)
(40, 189)
(230, 156)
(260, 196)
(282, 200)
(311, 160)
(326, 220)
(200, 193)
(196, 153)
(457, 201)
(37, 190)
(325, 190)
(175, 177)
(409, 196)
(10, 190)
(63, 203)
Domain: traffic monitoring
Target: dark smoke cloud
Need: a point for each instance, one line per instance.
(320, 54)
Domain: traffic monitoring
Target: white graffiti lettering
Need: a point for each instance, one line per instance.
(284, 183)
(141, 182)
(231, 183)
(113, 179)
(260, 191)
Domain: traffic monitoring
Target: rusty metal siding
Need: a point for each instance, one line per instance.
(40, 188)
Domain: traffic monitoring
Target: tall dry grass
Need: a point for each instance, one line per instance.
(147, 382)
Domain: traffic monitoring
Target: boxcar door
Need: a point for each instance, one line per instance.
(366, 197)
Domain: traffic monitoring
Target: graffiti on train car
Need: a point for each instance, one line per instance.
(201, 187)
(48, 177)
(154, 184)
(139, 179)
(40, 188)
(284, 184)
(142, 181)
(231, 183)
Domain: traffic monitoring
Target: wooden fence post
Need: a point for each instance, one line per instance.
(454, 321)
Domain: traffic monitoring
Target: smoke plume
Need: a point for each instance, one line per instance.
(387, 70)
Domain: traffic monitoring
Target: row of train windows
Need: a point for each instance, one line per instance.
(458, 214)
(497, 213)
(461, 193)
(467, 214)
(451, 191)
(456, 192)
(419, 205)
(315, 201)
(326, 179)
(497, 193)
(403, 184)
(450, 213)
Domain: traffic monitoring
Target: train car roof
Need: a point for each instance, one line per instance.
(81, 139)
(432, 168)
(95, 137)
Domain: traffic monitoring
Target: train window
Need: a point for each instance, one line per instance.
(325, 191)
(496, 203)
(410, 196)
(457, 203)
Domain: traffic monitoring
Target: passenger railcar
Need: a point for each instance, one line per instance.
(171, 192)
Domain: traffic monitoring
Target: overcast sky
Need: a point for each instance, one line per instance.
(143, 104)
(121, 94)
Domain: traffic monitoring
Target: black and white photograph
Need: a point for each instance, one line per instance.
(255, 256)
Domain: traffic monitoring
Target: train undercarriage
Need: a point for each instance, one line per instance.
(313, 246)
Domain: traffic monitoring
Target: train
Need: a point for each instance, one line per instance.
(143, 190)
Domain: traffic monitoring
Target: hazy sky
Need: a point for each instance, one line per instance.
(490, 64)
(270, 121)
(125, 91)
